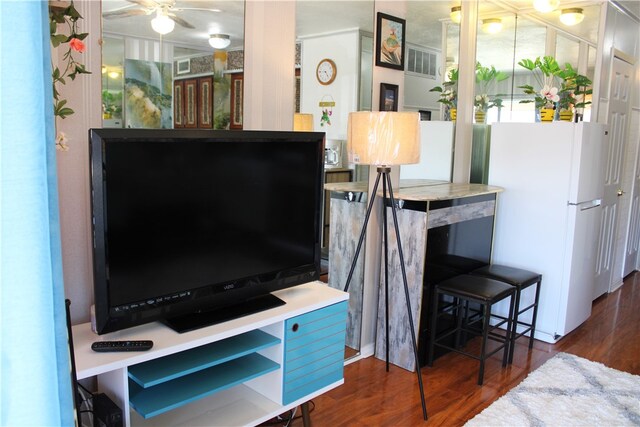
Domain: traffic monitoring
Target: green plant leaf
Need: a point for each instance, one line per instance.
(528, 64)
(72, 13)
(58, 39)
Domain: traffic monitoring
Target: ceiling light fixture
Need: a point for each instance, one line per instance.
(492, 25)
(546, 6)
(113, 74)
(219, 41)
(456, 14)
(571, 16)
(162, 23)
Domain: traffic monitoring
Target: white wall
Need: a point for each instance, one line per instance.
(269, 64)
(436, 153)
(417, 95)
(343, 90)
(83, 95)
(148, 50)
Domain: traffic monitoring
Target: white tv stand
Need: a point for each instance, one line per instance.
(241, 372)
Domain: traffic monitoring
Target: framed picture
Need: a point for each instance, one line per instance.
(183, 66)
(388, 97)
(390, 43)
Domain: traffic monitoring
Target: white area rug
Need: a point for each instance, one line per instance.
(568, 391)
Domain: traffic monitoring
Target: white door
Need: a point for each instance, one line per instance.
(633, 177)
(618, 119)
(633, 230)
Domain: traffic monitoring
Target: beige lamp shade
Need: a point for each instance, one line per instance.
(384, 138)
(302, 122)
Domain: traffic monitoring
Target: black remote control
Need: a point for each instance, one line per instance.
(105, 346)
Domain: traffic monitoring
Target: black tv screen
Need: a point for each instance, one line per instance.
(190, 225)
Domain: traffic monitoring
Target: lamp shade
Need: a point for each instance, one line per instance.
(546, 6)
(456, 14)
(384, 138)
(302, 122)
(162, 24)
(571, 16)
(492, 25)
(219, 41)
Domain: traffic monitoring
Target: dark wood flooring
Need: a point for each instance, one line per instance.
(373, 397)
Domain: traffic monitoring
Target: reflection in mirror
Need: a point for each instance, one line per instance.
(179, 63)
(430, 85)
(334, 58)
(523, 35)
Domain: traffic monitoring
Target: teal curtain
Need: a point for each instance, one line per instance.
(35, 366)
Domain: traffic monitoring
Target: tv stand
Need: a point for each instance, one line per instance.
(192, 321)
(241, 372)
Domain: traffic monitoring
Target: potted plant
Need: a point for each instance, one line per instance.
(575, 88)
(545, 72)
(486, 78)
(449, 93)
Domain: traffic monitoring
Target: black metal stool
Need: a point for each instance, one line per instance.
(486, 292)
(520, 279)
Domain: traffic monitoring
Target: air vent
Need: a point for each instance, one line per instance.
(422, 62)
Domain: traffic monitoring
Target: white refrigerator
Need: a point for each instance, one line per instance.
(548, 216)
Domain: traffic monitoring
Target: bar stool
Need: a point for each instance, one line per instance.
(521, 280)
(464, 289)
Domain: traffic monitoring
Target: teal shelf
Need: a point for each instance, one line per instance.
(167, 368)
(149, 402)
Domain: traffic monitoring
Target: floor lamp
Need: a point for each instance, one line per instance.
(386, 139)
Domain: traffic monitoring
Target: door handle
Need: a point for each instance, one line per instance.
(620, 192)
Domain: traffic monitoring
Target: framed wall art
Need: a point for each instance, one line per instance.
(390, 41)
(388, 97)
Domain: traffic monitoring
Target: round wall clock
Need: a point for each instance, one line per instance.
(326, 71)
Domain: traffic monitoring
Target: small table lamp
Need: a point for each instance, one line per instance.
(386, 139)
(302, 122)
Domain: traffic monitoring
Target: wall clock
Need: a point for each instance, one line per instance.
(326, 71)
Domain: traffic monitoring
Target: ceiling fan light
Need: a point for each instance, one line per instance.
(162, 24)
(492, 25)
(219, 41)
(456, 14)
(546, 6)
(571, 16)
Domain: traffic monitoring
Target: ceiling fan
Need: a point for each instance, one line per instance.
(165, 11)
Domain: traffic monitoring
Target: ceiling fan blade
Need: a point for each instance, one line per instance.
(180, 21)
(123, 13)
(151, 4)
(204, 9)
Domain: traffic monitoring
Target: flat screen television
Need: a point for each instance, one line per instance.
(193, 227)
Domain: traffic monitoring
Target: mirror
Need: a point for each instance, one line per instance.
(523, 35)
(432, 59)
(334, 57)
(517, 36)
(160, 68)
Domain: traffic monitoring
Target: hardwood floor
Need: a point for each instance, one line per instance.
(373, 397)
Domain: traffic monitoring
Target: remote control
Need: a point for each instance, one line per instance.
(104, 346)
